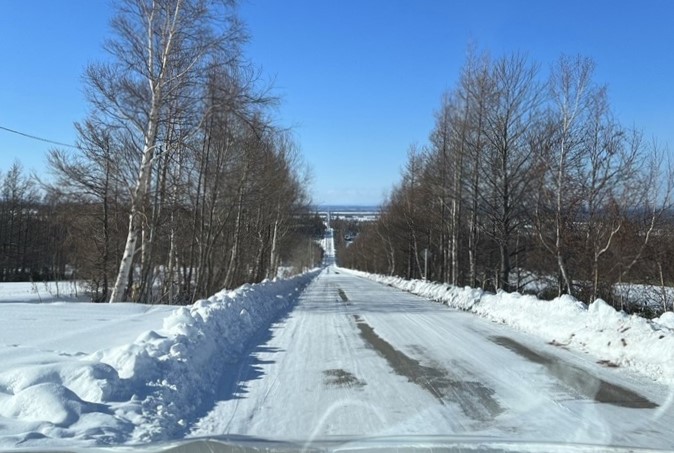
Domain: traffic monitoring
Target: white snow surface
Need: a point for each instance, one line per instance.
(629, 341)
(96, 374)
(42, 292)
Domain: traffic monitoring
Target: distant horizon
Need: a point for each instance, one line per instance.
(350, 207)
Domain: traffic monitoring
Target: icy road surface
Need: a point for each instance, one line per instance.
(357, 358)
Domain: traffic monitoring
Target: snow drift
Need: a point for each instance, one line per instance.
(614, 338)
(148, 389)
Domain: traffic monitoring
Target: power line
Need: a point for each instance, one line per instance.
(34, 137)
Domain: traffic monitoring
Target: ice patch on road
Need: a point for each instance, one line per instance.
(629, 341)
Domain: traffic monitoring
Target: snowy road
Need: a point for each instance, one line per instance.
(356, 358)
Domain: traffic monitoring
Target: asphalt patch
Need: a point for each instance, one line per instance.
(338, 377)
(476, 400)
(578, 379)
(342, 294)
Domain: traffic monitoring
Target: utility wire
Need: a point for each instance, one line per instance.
(34, 137)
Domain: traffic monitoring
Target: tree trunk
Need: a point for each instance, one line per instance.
(233, 265)
(273, 258)
(106, 232)
(135, 217)
(663, 289)
(155, 78)
(504, 276)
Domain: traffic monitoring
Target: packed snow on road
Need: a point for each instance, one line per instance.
(333, 354)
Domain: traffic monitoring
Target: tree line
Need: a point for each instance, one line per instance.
(33, 238)
(526, 175)
(180, 184)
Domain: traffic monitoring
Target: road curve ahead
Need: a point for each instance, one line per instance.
(356, 359)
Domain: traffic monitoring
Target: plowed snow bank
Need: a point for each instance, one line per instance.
(642, 345)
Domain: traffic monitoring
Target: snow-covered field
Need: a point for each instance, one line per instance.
(41, 292)
(655, 297)
(629, 341)
(86, 374)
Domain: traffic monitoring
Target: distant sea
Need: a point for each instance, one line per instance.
(347, 208)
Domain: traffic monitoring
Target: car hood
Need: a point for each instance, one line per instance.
(402, 444)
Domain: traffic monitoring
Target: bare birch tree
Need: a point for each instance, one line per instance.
(159, 48)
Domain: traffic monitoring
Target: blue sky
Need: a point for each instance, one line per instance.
(359, 79)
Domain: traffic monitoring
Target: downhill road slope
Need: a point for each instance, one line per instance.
(356, 359)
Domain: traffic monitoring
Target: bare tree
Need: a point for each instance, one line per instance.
(509, 159)
(159, 48)
(571, 91)
(92, 179)
(476, 84)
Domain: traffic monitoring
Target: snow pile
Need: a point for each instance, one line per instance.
(148, 389)
(615, 338)
(48, 402)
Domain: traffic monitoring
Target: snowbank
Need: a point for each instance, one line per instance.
(146, 390)
(645, 346)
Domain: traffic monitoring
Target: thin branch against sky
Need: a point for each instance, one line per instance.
(359, 80)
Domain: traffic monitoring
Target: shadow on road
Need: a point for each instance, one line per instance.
(234, 376)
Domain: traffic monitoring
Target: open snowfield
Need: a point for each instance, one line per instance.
(333, 356)
(41, 292)
(82, 374)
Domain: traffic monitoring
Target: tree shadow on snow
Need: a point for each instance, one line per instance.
(235, 376)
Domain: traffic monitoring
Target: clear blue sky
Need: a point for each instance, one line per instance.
(359, 79)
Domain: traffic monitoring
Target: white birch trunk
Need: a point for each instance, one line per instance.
(156, 75)
(273, 256)
(119, 289)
